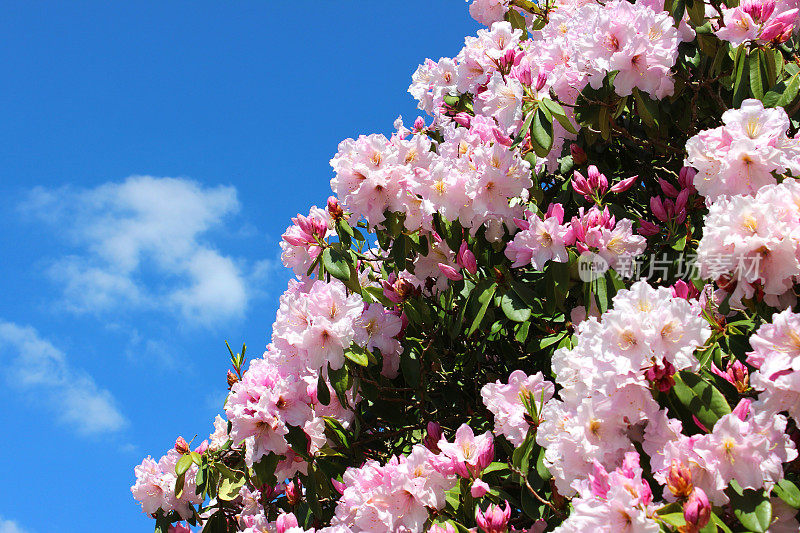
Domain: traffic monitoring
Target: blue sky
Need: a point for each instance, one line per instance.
(151, 155)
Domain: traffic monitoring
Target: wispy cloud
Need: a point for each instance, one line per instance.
(143, 243)
(10, 526)
(34, 365)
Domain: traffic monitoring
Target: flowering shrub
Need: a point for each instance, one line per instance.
(565, 302)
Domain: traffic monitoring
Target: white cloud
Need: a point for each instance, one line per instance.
(33, 364)
(142, 245)
(9, 526)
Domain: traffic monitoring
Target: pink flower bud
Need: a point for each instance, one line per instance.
(697, 509)
(738, 375)
(780, 28)
(285, 521)
(339, 486)
(181, 446)
(463, 119)
(495, 519)
(668, 188)
(522, 224)
(466, 259)
(419, 124)
(541, 81)
(742, 409)
(202, 448)
(485, 456)
(294, 492)
(657, 207)
(648, 228)
(450, 272)
(501, 137)
(679, 479)
(479, 488)
(581, 185)
(434, 435)
(556, 211)
(179, 528)
(623, 185)
(578, 155)
(594, 176)
(686, 178)
(598, 480)
(759, 10)
(523, 74)
(700, 424)
(681, 200)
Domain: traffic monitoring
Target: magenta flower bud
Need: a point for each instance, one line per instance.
(541, 81)
(686, 177)
(738, 375)
(598, 480)
(606, 219)
(679, 479)
(648, 229)
(431, 440)
(479, 488)
(699, 424)
(334, 209)
(593, 176)
(439, 528)
(658, 209)
(501, 137)
(578, 155)
(450, 272)
(507, 60)
(697, 509)
(202, 448)
(623, 185)
(466, 259)
(581, 185)
(556, 211)
(681, 200)
(780, 28)
(742, 409)
(419, 124)
(523, 74)
(485, 457)
(339, 486)
(759, 10)
(463, 119)
(179, 528)
(181, 446)
(285, 522)
(684, 290)
(668, 188)
(294, 492)
(495, 519)
(522, 224)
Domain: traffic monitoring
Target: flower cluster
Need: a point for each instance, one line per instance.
(743, 154)
(763, 21)
(751, 243)
(509, 403)
(155, 486)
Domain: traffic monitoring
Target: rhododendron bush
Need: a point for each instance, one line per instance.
(564, 301)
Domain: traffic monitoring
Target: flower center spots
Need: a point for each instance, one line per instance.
(547, 239)
(411, 156)
(376, 159)
(594, 427)
(750, 223)
(671, 332)
(627, 340)
(612, 43)
(439, 186)
(753, 127)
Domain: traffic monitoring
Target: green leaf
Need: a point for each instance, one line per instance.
(646, 108)
(514, 307)
(229, 489)
(336, 263)
(757, 74)
(600, 291)
(752, 508)
(740, 77)
(183, 464)
(357, 355)
(339, 381)
(521, 458)
(702, 398)
(336, 431)
(265, 468)
(672, 514)
(697, 12)
(542, 133)
(323, 392)
(559, 114)
(788, 492)
(678, 7)
(790, 93)
(525, 127)
(410, 364)
(484, 297)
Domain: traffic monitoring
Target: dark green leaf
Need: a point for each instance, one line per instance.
(514, 307)
(336, 262)
(752, 508)
(323, 392)
(542, 132)
(484, 297)
(702, 398)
